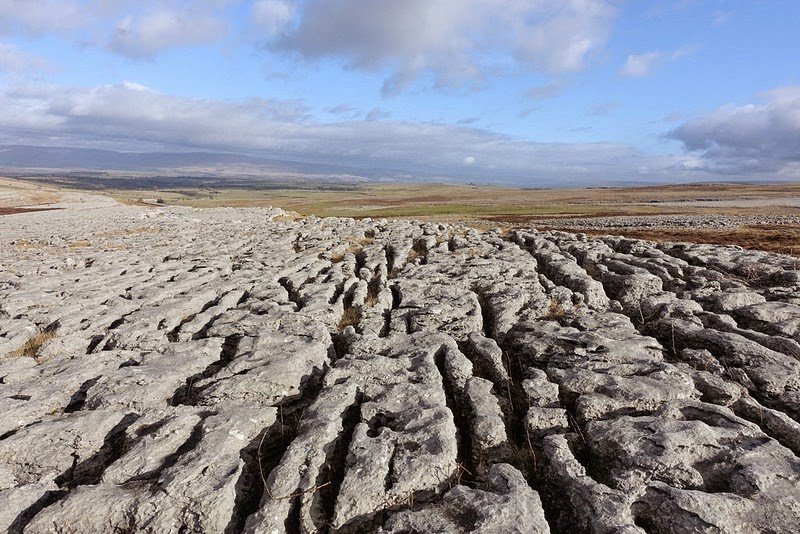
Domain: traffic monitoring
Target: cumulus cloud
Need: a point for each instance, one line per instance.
(641, 65)
(748, 139)
(42, 16)
(452, 40)
(272, 16)
(136, 29)
(15, 60)
(146, 35)
(129, 116)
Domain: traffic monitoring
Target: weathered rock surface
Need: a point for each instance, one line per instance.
(244, 370)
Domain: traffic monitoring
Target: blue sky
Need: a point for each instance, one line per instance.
(578, 91)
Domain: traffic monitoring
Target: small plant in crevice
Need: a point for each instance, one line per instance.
(555, 310)
(350, 317)
(373, 289)
(413, 255)
(335, 257)
(34, 344)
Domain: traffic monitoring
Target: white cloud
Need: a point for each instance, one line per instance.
(753, 138)
(42, 16)
(454, 43)
(138, 29)
(641, 65)
(454, 40)
(15, 60)
(146, 35)
(558, 36)
(132, 117)
(272, 16)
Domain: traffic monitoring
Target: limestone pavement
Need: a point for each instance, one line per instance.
(244, 370)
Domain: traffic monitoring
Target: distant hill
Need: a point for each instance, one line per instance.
(110, 168)
(211, 163)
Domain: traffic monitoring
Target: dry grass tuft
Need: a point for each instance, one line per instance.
(336, 257)
(373, 289)
(286, 217)
(24, 243)
(555, 311)
(754, 272)
(350, 317)
(413, 255)
(34, 344)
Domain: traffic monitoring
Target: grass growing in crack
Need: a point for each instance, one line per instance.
(354, 248)
(34, 344)
(335, 257)
(555, 311)
(373, 289)
(350, 317)
(413, 255)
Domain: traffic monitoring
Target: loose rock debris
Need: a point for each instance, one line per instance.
(240, 370)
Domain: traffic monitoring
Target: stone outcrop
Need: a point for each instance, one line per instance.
(245, 370)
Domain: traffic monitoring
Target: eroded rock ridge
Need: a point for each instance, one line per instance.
(242, 370)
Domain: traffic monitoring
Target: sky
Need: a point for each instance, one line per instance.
(522, 91)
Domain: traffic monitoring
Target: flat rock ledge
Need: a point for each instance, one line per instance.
(173, 370)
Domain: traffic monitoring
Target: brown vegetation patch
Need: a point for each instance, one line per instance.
(770, 238)
(373, 289)
(350, 317)
(335, 257)
(555, 311)
(34, 344)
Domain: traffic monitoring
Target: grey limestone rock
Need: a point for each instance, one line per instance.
(168, 369)
(507, 505)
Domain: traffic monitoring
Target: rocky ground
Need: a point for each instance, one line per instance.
(241, 370)
(670, 221)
